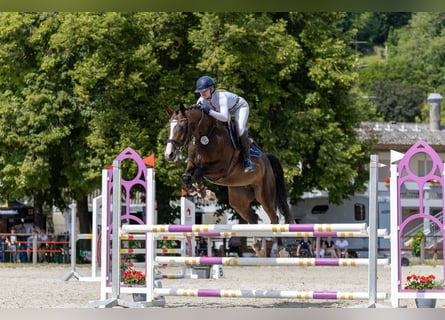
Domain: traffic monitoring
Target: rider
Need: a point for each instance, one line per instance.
(218, 104)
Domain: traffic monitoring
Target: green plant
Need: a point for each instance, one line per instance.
(417, 243)
(416, 282)
(126, 265)
(134, 277)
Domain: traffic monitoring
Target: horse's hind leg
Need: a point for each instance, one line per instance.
(240, 199)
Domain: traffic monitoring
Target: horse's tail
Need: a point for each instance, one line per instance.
(280, 187)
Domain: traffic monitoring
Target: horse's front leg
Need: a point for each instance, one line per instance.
(200, 188)
(187, 177)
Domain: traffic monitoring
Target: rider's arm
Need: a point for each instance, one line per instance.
(223, 114)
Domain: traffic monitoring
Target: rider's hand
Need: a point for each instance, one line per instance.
(206, 108)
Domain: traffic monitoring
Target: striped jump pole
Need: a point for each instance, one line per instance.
(224, 234)
(257, 228)
(254, 261)
(306, 295)
(142, 251)
(178, 236)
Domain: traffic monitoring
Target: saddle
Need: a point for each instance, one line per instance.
(255, 150)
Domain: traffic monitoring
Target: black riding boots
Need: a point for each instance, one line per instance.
(245, 151)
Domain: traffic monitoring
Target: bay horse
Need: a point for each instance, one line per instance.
(212, 156)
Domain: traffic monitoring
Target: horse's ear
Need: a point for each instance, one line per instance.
(182, 108)
(169, 111)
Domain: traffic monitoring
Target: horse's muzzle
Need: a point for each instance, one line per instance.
(170, 154)
(171, 157)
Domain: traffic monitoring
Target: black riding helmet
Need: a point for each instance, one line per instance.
(204, 83)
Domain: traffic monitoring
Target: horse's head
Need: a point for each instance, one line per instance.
(185, 123)
(178, 133)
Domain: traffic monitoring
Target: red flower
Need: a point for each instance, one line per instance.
(134, 277)
(416, 282)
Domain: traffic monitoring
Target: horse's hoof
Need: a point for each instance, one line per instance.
(186, 179)
(210, 196)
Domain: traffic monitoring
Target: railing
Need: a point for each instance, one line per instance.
(30, 249)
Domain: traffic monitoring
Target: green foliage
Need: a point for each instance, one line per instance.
(417, 243)
(412, 70)
(78, 88)
(398, 102)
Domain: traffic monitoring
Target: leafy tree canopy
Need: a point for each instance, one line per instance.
(78, 88)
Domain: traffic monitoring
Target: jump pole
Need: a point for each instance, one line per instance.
(257, 228)
(254, 261)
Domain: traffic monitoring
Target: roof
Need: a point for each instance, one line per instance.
(400, 136)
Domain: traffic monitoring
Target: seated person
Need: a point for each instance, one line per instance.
(304, 248)
(202, 247)
(322, 249)
(341, 246)
(235, 245)
(283, 253)
(329, 246)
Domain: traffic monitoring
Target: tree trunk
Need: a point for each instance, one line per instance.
(83, 215)
(84, 223)
(38, 209)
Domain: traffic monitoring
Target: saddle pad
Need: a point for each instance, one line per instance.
(254, 150)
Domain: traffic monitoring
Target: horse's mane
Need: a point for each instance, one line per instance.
(191, 107)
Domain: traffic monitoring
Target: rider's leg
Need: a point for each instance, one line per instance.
(245, 151)
(241, 116)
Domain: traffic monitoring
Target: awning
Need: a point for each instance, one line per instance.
(15, 209)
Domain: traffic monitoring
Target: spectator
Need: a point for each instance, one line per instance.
(12, 245)
(30, 247)
(329, 245)
(322, 248)
(2, 248)
(274, 249)
(202, 247)
(283, 253)
(20, 229)
(235, 245)
(43, 245)
(33, 228)
(342, 247)
(304, 248)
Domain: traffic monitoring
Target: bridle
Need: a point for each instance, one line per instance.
(179, 146)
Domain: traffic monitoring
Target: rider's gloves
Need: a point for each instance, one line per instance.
(206, 108)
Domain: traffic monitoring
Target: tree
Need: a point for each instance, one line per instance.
(413, 68)
(81, 87)
(69, 79)
(296, 70)
(396, 102)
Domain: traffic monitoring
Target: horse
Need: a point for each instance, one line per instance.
(213, 157)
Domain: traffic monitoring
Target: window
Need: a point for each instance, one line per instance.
(359, 212)
(321, 209)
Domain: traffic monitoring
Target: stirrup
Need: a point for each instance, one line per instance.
(248, 165)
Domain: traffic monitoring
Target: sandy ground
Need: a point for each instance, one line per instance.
(27, 286)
